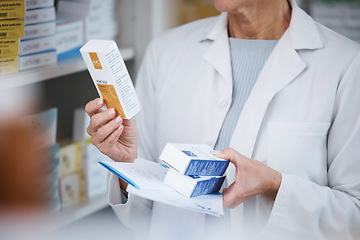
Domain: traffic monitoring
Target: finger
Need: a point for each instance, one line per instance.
(128, 122)
(103, 132)
(94, 106)
(107, 145)
(99, 120)
(228, 154)
(230, 197)
(113, 138)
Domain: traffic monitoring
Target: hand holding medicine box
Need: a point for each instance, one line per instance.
(194, 171)
(193, 159)
(110, 76)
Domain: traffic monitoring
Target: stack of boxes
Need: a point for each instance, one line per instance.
(193, 170)
(72, 178)
(12, 15)
(95, 174)
(98, 17)
(40, 50)
(81, 177)
(27, 31)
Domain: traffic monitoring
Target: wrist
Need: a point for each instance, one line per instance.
(273, 186)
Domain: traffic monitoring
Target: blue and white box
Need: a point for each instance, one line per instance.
(193, 159)
(69, 38)
(34, 16)
(39, 30)
(32, 4)
(29, 46)
(36, 60)
(193, 186)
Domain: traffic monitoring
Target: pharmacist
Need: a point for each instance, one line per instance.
(278, 88)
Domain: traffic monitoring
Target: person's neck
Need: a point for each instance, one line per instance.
(268, 22)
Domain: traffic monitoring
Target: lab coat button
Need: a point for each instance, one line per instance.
(224, 103)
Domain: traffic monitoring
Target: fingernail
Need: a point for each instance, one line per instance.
(118, 119)
(215, 152)
(121, 127)
(111, 112)
(100, 102)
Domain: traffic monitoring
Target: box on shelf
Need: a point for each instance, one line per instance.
(96, 175)
(82, 9)
(16, 8)
(98, 16)
(70, 157)
(39, 30)
(43, 126)
(80, 124)
(36, 60)
(8, 65)
(69, 38)
(32, 4)
(12, 9)
(34, 16)
(110, 76)
(192, 186)
(13, 28)
(9, 47)
(29, 46)
(100, 30)
(72, 189)
(193, 159)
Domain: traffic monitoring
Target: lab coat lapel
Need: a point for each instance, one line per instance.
(282, 67)
(218, 54)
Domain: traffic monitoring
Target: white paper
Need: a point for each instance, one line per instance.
(148, 182)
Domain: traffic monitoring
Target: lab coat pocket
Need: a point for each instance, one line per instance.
(299, 148)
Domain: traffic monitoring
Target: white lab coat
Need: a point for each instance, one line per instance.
(301, 118)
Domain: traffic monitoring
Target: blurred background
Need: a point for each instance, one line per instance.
(49, 176)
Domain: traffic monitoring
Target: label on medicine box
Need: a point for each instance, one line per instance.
(193, 159)
(33, 16)
(42, 44)
(193, 186)
(12, 9)
(86, 8)
(8, 65)
(71, 155)
(9, 47)
(72, 189)
(31, 4)
(39, 30)
(110, 76)
(12, 28)
(37, 60)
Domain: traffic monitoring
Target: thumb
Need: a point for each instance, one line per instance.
(227, 154)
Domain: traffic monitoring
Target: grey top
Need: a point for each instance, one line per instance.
(247, 60)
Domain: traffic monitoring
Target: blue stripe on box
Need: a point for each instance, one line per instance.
(36, 53)
(119, 174)
(73, 53)
(206, 167)
(211, 185)
(51, 21)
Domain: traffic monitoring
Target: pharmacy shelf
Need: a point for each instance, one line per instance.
(63, 68)
(72, 214)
